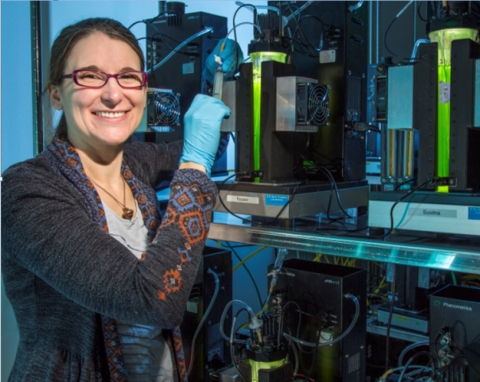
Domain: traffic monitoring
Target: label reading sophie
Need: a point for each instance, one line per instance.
(276, 200)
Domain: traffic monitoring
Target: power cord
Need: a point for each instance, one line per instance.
(390, 317)
(147, 21)
(202, 321)
(223, 203)
(275, 219)
(399, 185)
(334, 187)
(309, 44)
(341, 336)
(388, 29)
(287, 202)
(248, 272)
(390, 230)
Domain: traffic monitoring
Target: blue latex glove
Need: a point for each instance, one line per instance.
(231, 56)
(202, 130)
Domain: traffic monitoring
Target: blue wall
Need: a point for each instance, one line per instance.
(17, 127)
(17, 142)
(17, 116)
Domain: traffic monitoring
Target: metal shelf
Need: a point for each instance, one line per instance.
(401, 334)
(463, 256)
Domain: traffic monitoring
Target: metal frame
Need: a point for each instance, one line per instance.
(431, 254)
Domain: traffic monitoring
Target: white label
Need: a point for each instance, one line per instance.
(243, 199)
(192, 306)
(444, 92)
(433, 212)
(327, 56)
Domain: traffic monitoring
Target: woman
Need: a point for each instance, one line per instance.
(97, 281)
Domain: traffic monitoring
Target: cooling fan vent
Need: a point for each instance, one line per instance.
(163, 110)
(318, 104)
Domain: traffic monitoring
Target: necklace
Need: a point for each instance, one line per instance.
(127, 212)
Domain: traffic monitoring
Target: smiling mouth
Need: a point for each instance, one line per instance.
(105, 114)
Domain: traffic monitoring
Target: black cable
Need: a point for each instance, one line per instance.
(419, 13)
(223, 204)
(331, 180)
(463, 355)
(333, 184)
(390, 316)
(135, 23)
(298, 24)
(307, 377)
(290, 199)
(386, 43)
(240, 246)
(385, 40)
(310, 44)
(248, 272)
(407, 365)
(394, 204)
(340, 229)
(165, 37)
(299, 319)
(235, 28)
(274, 221)
(329, 206)
(296, 45)
(293, 40)
(476, 4)
(298, 310)
(436, 8)
(397, 187)
(153, 19)
(337, 162)
(290, 9)
(147, 21)
(231, 346)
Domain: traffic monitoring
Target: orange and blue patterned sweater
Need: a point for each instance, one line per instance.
(68, 280)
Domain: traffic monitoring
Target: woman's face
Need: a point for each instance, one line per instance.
(98, 118)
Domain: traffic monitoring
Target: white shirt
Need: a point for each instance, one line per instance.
(146, 354)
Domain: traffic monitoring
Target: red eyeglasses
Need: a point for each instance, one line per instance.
(95, 79)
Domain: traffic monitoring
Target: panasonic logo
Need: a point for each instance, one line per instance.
(459, 307)
(431, 212)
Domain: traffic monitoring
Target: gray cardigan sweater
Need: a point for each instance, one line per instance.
(64, 274)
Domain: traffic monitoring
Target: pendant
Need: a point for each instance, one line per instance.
(127, 213)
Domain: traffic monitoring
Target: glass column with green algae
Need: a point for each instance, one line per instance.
(444, 38)
(257, 58)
